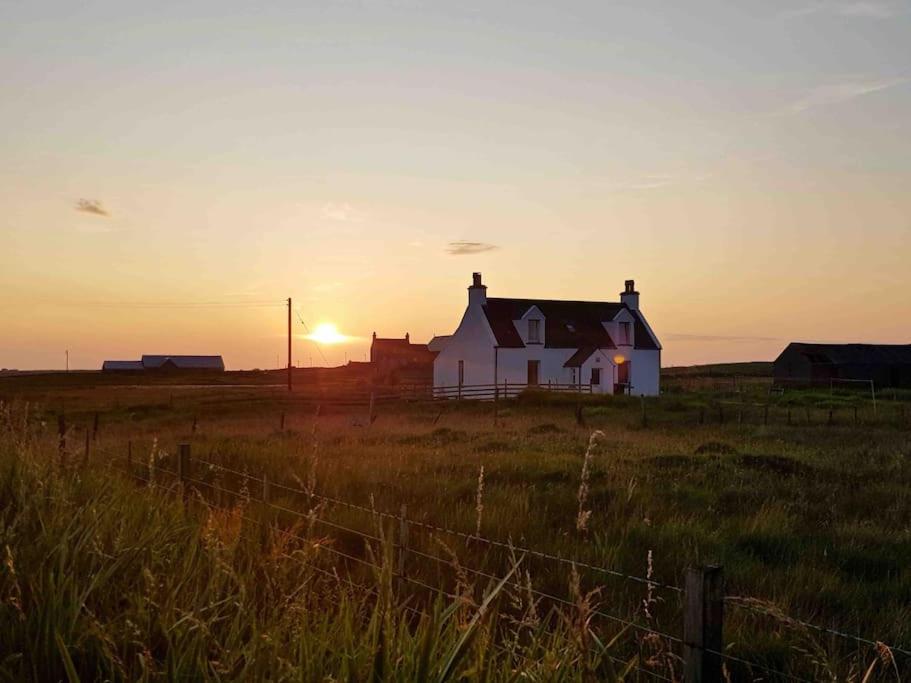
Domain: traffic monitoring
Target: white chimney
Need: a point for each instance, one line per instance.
(630, 296)
(477, 293)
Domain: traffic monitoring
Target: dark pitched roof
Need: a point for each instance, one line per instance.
(579, 357)
(567, 324)
(122, 365)
(854, 354)
(184, 362)
(401, 343)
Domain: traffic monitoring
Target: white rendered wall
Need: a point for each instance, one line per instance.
(472, 343)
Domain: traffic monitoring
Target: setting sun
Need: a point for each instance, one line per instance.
(326, 333)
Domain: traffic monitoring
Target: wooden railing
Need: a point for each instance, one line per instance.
(489, 392)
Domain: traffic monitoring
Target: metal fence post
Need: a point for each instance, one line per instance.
(703, 639)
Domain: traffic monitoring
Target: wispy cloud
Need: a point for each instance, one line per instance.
(862, 9)
(92, 206)
(466, 248)
(843, 91)
(342, 213)
(654, 181)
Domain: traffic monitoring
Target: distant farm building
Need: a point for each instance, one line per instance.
(886, 365)
(165, 364)
(397, 360)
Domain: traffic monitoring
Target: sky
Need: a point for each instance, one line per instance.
(171, 172)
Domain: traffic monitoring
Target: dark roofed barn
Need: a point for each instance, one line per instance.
(186, 363)
(887, 365)
(164, 363)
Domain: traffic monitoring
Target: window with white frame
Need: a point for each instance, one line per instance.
(534, 331)
(626, 333)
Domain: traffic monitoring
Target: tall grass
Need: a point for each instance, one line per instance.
(812, 519)
(104, 579)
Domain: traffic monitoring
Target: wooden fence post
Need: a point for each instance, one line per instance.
(830, 421)
(85, 456)
(61, 436)
(371, 414)
(644, 413)
(765, 414)
(403, 543)
(266, 488)
(496, 403)
(281, 426)
(95, 426)
(702, 415)
(720, 414)
(703, 625)
(183, 465)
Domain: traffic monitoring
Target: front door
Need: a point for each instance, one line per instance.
(623, 378)
(533, 367)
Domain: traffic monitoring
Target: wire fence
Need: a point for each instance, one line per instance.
(680, 646)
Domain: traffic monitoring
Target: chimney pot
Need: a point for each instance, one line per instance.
(629, 295)
(477, 293)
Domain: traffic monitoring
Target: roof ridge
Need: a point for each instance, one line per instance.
(556, 301)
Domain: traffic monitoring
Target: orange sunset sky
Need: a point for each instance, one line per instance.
(171, 172)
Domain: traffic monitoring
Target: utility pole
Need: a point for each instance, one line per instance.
(67, 360)
(289, 343)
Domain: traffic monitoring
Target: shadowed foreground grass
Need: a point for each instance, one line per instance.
(104, 581)
(810, 519)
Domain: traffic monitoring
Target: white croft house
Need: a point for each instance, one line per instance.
(608, 345)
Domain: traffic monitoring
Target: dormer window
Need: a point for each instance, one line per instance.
(626, 333)
(534, 331)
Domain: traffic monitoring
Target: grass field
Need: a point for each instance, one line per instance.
(111, 576)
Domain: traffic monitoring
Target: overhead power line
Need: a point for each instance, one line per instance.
(316, 343)
(182, 304)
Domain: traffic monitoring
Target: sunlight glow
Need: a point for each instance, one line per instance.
(326, 333)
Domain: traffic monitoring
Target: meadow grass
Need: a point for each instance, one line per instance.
(808, 520)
